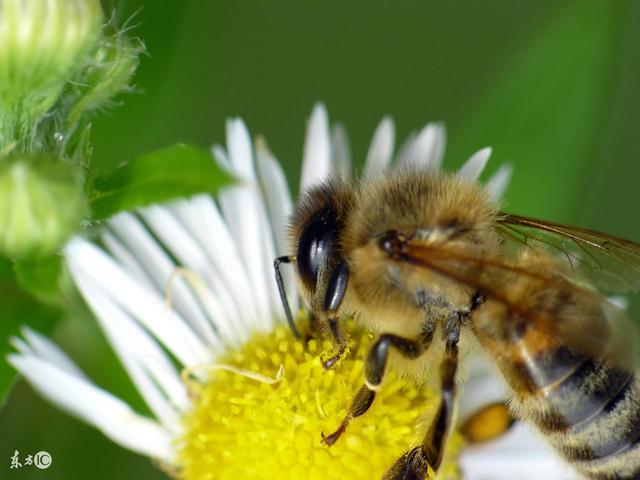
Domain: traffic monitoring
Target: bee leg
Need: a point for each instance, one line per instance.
(374, 372)
(419, 461)
(336, 289)
(379, 354)
(487, 423)
(359, 406)
(339, 340)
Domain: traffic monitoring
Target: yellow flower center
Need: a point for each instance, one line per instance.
(242, 428)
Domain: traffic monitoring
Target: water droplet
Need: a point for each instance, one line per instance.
(58, 137)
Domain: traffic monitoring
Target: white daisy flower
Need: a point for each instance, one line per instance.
(184, 293)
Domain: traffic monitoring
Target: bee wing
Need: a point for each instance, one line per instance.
(493, 277)
(610, 263)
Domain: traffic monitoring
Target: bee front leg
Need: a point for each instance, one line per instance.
(419, 461)
(339, 340)
(374, 373)
(333, 296)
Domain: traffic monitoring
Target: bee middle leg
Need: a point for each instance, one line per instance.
(375, 368)
(416, 463)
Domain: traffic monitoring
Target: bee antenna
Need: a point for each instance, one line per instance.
(283, 294)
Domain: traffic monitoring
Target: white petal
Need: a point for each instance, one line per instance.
(145, 364)
(473, 167)
(499, 181)
(188, 253)
(202, 217)
(221, 157)
(426, 151)
(619, 301)
(159, 268)
(124, 341)
(381, 148)
(126, 258)
(316, 163)
(20, 345)
(145, 306)
(277, 195)
(135, 242)
(240, 150)
(267, 243)
(404, 155)
(132, 342)
(96, 407)
(280, 207)
(240, 205)
(169, 417)
(241, 213)
(340, 152)
(520, 454)
(245, 214)
(45, 349)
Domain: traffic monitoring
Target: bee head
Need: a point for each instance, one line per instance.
(315, 230)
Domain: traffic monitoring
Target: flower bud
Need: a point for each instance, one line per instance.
(42, 44)
(41, 205)
(107, 73)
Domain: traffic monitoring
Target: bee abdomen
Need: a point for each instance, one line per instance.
(589, 410)
(607, 443)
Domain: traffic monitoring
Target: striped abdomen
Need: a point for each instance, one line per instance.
(589, 411)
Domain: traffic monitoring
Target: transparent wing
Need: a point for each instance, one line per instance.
(609, 263)
(585, 328)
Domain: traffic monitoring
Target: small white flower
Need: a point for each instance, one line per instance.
(226, 247)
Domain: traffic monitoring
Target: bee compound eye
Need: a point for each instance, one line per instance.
(316, 245)
(337, 287)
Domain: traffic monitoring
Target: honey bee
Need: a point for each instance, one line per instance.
(427, 261)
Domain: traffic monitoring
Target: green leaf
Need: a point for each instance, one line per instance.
(44, 278)
(176, 171)
(546, 111)
(18, 308)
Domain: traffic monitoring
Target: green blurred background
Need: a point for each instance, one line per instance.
(551, 85)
